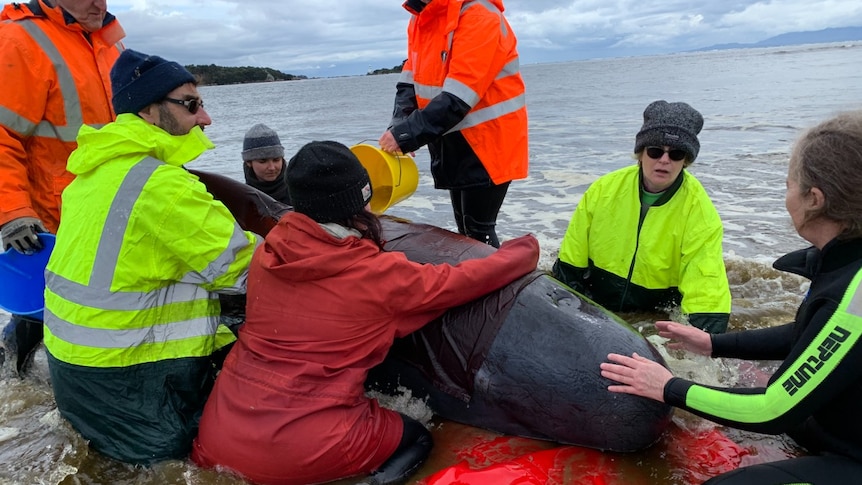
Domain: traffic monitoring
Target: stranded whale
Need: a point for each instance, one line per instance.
(523, 360)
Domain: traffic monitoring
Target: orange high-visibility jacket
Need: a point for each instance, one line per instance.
(466, 49)
(53, 81)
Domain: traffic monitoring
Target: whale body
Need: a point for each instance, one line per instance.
(523, 360)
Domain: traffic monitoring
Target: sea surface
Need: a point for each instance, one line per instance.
(583, 119)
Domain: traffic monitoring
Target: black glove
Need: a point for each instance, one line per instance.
(20, 234)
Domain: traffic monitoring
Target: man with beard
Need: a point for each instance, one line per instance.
(131, 311)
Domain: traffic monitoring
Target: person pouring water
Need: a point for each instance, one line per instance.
(461, 94)
(814, 394)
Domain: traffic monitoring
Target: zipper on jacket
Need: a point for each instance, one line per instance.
(644, 210)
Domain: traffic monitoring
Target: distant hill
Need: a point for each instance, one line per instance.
(840, 34)
(386, 70)
(213, 74)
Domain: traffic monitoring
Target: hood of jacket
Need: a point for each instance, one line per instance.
(418, 6)
(810, 262)
(130, 137)
(451, 9)
(299, 249)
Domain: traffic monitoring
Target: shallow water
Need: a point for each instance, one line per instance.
(583, 117)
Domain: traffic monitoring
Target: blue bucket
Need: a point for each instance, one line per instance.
(22, 279)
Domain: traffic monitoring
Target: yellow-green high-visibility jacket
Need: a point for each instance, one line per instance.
(629, 257)
(131, 288)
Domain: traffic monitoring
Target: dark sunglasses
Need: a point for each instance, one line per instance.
(674, 154)
(193, 105)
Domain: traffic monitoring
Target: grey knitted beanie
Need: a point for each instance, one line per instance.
(670, 124)
(261, 142)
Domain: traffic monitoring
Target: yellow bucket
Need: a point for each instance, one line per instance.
(393, 177)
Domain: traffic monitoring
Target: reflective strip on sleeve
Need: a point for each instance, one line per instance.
(406, 77)
(98, 290)
(491, 8)
(68, 88)
(492, 112)
(130, 337)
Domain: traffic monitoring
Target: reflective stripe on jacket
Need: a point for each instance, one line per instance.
(634, 259)
(56, 78)
(140, 252)
(466, 50)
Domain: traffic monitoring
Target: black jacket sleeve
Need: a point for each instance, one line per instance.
(788, 400)
(574, 277)
(423, 126)
(405, 103)
(772, 343)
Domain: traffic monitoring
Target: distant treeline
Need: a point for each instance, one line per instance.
(213, 74)
(388, 71)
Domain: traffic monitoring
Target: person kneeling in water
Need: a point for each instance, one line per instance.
(325, 303)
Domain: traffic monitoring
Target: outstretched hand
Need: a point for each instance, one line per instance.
(636, 375)
(685, 337)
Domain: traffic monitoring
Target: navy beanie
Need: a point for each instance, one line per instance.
(139, 80)
(326, 182)
(670, 124)
(261, 142)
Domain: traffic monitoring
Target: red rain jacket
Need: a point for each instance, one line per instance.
(289, 405)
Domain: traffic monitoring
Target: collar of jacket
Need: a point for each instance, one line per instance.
(810, 261)
(45, 8)
(130, 137)
(339, 231)
(415, 7)
(298, 249)
(668, 193)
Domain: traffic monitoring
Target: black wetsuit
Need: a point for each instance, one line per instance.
(815, 394)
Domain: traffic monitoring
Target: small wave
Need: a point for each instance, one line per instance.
(753, 127)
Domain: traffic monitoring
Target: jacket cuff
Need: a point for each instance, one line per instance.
(709, 322)
(675, 391)
(572, 276)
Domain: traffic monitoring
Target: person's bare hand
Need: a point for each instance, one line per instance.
(388, 144)
(636, 375)
(685, 337)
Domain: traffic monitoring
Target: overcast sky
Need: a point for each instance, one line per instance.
(350, 37)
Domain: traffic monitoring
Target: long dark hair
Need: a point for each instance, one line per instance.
(368, 224)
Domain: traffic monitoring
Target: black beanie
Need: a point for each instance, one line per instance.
(261, 142)
(670, 124)
(326, 182)
(139, 80)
